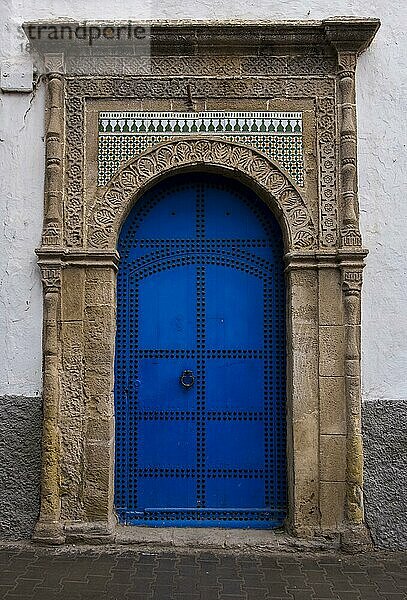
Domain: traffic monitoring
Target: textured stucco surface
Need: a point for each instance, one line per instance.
(382, 95)
(385, 427)
(20, 433)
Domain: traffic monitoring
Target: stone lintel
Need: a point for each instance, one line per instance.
(205, 37)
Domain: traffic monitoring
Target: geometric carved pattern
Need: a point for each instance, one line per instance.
(106, 215)
(123, 135)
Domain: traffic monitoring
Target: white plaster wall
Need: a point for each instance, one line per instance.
(382, 166)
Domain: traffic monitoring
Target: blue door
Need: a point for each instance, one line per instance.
(200, 359)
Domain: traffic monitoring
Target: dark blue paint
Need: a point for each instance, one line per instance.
(201, 289)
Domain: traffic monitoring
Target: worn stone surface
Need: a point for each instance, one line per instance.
(332, 500)
(332, 405)
(385, 445)
(20, 455)
(333, 457)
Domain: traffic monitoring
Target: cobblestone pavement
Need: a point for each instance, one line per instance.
(31, 573)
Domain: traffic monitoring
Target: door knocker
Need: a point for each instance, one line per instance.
(187, 379)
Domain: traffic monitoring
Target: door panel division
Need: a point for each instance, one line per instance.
(200, 358)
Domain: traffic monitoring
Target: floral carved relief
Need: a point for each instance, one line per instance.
(106, 216)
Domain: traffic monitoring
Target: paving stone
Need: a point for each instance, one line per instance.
(322, 590)
(164, 578)
(188, 570)
(253, 580)
(256, 594)
(186, 584)
(25, 586)
(77, 575)
(297, 582)
(277, 590)
(167, 565)
(347, 596)
(302, 594)
(342, 585)
(315, 577)
(231, 586)
(206, 593)
(162, 592)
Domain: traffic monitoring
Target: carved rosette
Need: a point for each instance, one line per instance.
(106, 216)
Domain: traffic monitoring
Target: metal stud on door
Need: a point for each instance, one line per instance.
(200, 359)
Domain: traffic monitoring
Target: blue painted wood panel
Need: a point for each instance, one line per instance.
(200, 359)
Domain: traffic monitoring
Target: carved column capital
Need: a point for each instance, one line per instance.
(352, 281)
(54, 64)
(347, 63)
(51, 278)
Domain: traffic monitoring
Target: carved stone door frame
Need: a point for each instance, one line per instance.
(298, 66)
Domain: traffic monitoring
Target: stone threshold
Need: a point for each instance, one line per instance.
(242, 540)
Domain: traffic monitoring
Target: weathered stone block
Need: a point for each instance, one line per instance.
(100, 275)
(73, 285)
(333, 457)
(331, 351)
(99, 294)
(332, 502)
(100, 429)
(306, 472)
(330, 297)
(303, 290)
(332, 405)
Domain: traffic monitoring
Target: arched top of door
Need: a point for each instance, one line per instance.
(267, 179)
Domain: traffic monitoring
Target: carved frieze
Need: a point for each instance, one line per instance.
(78, 89)
(326, 130)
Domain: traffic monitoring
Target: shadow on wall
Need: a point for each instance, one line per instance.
(385, 441)
(20, 465)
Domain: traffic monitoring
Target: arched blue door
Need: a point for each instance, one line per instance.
(200, 359)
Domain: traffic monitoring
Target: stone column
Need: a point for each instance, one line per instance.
(350, 230)
(48, 528)
(356, 536)
(54, 141)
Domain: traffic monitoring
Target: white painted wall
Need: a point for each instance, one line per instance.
(382, 80)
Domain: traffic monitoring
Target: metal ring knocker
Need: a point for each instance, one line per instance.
(187, 379)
